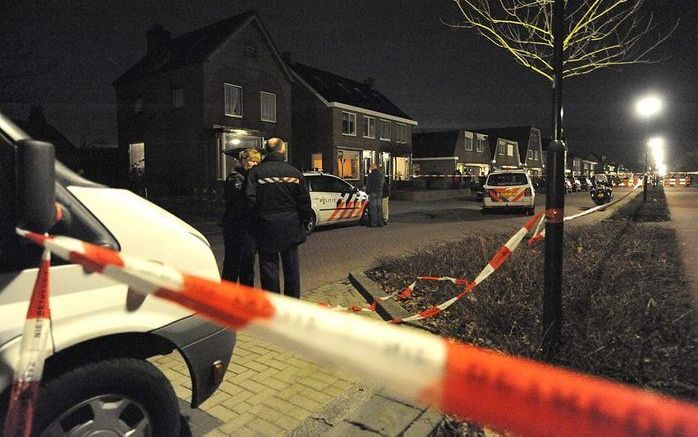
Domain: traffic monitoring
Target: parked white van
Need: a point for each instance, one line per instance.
(97, 380)
(334, 200)
(508, 189)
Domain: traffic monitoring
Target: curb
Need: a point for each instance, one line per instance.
(387, 309)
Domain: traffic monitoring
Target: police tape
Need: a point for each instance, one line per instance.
(505, 392)
(32, 353)
(540, 234)
(497, 260)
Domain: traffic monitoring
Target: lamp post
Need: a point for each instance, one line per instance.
(647, 107)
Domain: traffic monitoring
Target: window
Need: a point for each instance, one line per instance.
(501, 148)
(233, 100)
(348, 123)
(510, 150)
(250, 51)
(480, 144)
(402, 168)
(384, 130)
(336, 185)
(469, 144)
(507, 179)
(178, 98)
(348, 164)
(400, 133)
(268, 105)
(535, 154)
(369, 127)
(316, 161)
(138, 105)
(136, 156)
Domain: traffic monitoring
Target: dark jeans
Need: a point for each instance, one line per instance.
(269, 271)
(238, 265)
(375, 210)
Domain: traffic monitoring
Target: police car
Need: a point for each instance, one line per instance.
(333, 200)
(508, 189)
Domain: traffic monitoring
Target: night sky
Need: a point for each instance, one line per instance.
(441, 77)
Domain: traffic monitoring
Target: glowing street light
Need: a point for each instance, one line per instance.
(656, 145)
(647, 107)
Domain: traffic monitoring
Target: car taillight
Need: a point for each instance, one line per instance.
(528, 192)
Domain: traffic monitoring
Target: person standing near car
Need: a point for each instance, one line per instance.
(240, 247)
(374, 188)
(280, 204)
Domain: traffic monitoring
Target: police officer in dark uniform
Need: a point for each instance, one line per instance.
(280, 204)
(240, 248)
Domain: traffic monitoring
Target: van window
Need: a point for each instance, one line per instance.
(336, 185)
(504, 179)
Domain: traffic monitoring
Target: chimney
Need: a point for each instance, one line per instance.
(370, 82)
(158, 37)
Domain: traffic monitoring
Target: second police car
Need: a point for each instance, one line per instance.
(334, 200)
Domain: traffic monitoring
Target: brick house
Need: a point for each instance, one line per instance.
(190, 97)
(341, 126)
(504, 151)
(445, 152)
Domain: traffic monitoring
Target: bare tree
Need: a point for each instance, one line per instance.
(599, 33)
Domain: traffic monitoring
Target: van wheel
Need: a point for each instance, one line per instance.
(122, 396)
(313, 222)
(530, 211)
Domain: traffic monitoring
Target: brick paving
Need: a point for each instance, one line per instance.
(266, 390)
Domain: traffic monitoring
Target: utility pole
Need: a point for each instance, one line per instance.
(555, 199)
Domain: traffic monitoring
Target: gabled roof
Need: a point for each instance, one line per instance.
(193, 48)
(520, 134)
(339, 89)
(434, 144)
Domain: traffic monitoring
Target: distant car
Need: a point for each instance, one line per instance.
(508, 189)
(584, 183)
(568, 186)
(333, 200)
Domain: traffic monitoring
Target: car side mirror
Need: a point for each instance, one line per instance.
(36, 190)
(354, 190)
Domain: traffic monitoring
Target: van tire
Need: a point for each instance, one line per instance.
(530, 211)
(133, 380)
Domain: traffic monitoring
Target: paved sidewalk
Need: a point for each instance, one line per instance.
(269, 391)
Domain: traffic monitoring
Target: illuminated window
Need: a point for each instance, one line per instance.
(510, 150)
(348, 164)
(316, 161)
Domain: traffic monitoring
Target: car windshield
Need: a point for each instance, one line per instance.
(504, 179)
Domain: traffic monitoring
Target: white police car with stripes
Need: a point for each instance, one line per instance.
(334, 200)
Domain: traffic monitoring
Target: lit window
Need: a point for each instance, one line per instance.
(233, 100)
(369, 127)
(501, 148)
(348, 164)
(480, 144)
(510, 150)
(384, 130)
(348, 123)
(178, 97)
(316, 161)
(268, 104)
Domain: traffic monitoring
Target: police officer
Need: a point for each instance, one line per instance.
(280, 204)
(238, 264)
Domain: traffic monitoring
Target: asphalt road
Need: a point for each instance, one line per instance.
(683, 205)
(331, 252)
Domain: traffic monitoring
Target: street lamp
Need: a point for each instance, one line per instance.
(647, 107)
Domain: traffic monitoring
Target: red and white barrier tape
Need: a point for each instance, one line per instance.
(32, 353)
(504, 392)
(497, 260)
(539, 235)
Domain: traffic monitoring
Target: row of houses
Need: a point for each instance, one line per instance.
(226, 86)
